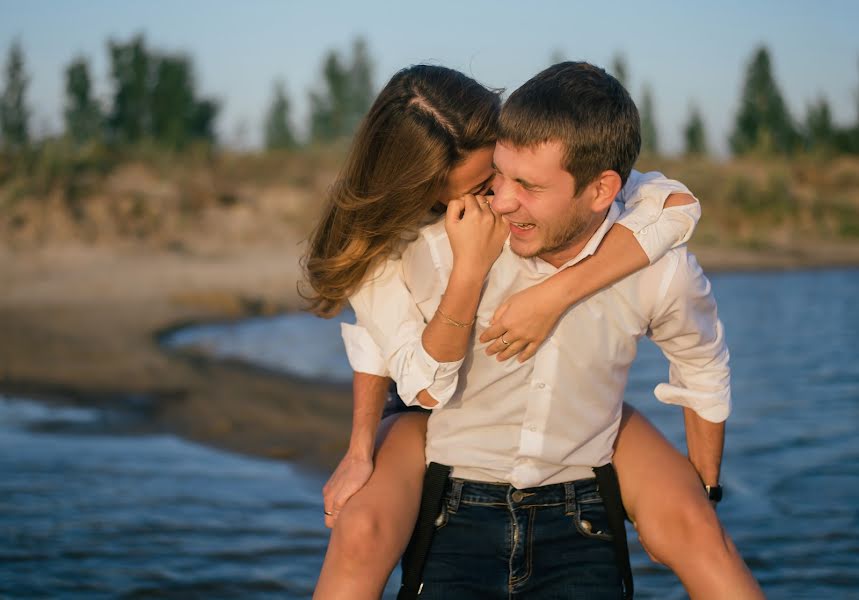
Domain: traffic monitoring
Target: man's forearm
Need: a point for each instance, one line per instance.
(704, 442)
(369, 393)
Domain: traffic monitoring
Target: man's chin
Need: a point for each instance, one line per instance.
(524, 249)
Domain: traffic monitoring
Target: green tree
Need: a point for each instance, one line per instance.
(763, 123)
(278, 131)
(820, 132)
(360, 83)
(129, 120)
(14, 114)
(327, 108)
(695, 134)
(171, 101)
(82, 113)
(345, 96)
(619, 69)
(649, 134)
(202, 123)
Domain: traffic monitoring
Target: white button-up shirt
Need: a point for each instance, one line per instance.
(554, 417)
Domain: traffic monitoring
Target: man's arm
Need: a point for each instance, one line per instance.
(659, 214)
(686, 327)
(369, 393)
(704, 444)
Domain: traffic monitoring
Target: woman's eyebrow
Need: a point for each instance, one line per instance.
(482, 184)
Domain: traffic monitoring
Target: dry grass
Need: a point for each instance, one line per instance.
(205, 200)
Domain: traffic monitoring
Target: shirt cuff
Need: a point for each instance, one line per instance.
(361, 350)
(710, 406)
(675, 227)
(425, 373)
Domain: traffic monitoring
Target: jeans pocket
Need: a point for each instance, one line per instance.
(591, 519)
(442, 518)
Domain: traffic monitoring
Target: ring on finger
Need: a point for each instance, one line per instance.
(503, 341)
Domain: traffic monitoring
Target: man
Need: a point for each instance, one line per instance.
(522, 513)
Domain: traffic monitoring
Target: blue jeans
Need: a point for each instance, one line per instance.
(494, 541)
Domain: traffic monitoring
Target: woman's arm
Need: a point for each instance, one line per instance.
(660, 214)
(369, 393)
(423, 356)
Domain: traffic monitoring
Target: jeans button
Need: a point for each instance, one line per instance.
(586, 526)
(517, 496)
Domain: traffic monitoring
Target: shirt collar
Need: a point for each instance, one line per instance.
(541, 266)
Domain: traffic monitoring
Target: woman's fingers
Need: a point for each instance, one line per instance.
(494, 331)
(511, 350)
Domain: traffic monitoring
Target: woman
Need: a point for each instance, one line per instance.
(428, 137)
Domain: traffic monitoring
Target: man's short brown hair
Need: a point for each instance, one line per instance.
(585, 109)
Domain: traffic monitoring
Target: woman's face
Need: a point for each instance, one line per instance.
(472, 176)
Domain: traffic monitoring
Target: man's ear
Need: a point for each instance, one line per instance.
(606, 187)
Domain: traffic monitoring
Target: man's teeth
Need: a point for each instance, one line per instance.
(524, 225)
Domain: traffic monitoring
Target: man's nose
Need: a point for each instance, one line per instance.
(505, 201)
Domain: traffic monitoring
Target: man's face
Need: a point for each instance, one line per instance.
(536, 196)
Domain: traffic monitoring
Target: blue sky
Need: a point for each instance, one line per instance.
(685, 51)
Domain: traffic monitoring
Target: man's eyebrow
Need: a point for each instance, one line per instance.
(523, 182)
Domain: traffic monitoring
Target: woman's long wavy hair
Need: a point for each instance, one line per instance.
(423, 124)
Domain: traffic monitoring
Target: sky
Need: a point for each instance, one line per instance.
(686, 52)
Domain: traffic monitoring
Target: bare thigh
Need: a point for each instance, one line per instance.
(391, 497)
(652, 472)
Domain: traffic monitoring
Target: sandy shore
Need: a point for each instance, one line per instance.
(80, 323)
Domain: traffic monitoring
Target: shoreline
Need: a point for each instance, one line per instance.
(82, 325)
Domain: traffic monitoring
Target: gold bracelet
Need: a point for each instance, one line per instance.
(451, 321)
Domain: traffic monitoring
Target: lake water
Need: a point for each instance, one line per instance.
(90, 509)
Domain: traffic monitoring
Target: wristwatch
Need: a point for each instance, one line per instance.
(714, 492)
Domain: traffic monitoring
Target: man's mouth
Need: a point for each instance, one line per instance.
(523, 226)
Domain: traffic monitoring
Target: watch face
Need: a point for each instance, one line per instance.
(714, 492)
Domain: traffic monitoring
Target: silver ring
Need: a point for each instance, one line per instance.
(328, 514)
(503, 341)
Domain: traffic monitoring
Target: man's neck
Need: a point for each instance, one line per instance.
(559, 257)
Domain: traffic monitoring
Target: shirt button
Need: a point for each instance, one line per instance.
(532, 428)
(541, 385)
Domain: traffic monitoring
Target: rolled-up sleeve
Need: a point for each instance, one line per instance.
(687, 329)
(657, 229)
(363, 352)
(389, 316)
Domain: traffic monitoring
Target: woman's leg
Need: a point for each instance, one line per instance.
(373, 528)
(675, 521)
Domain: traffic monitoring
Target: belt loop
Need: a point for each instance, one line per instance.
(454, 495)
(569, 498)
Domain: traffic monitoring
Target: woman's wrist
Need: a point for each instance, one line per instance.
(563, 289)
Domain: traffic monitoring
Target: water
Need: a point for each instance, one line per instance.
(88, 513)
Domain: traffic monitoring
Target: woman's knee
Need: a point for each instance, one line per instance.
(361, 531)
(683, 532)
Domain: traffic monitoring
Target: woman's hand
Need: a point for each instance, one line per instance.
(351, 475)
(524, 321)
(476, 234)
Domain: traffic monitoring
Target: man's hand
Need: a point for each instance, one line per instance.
(524, 321)
(351, 475)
